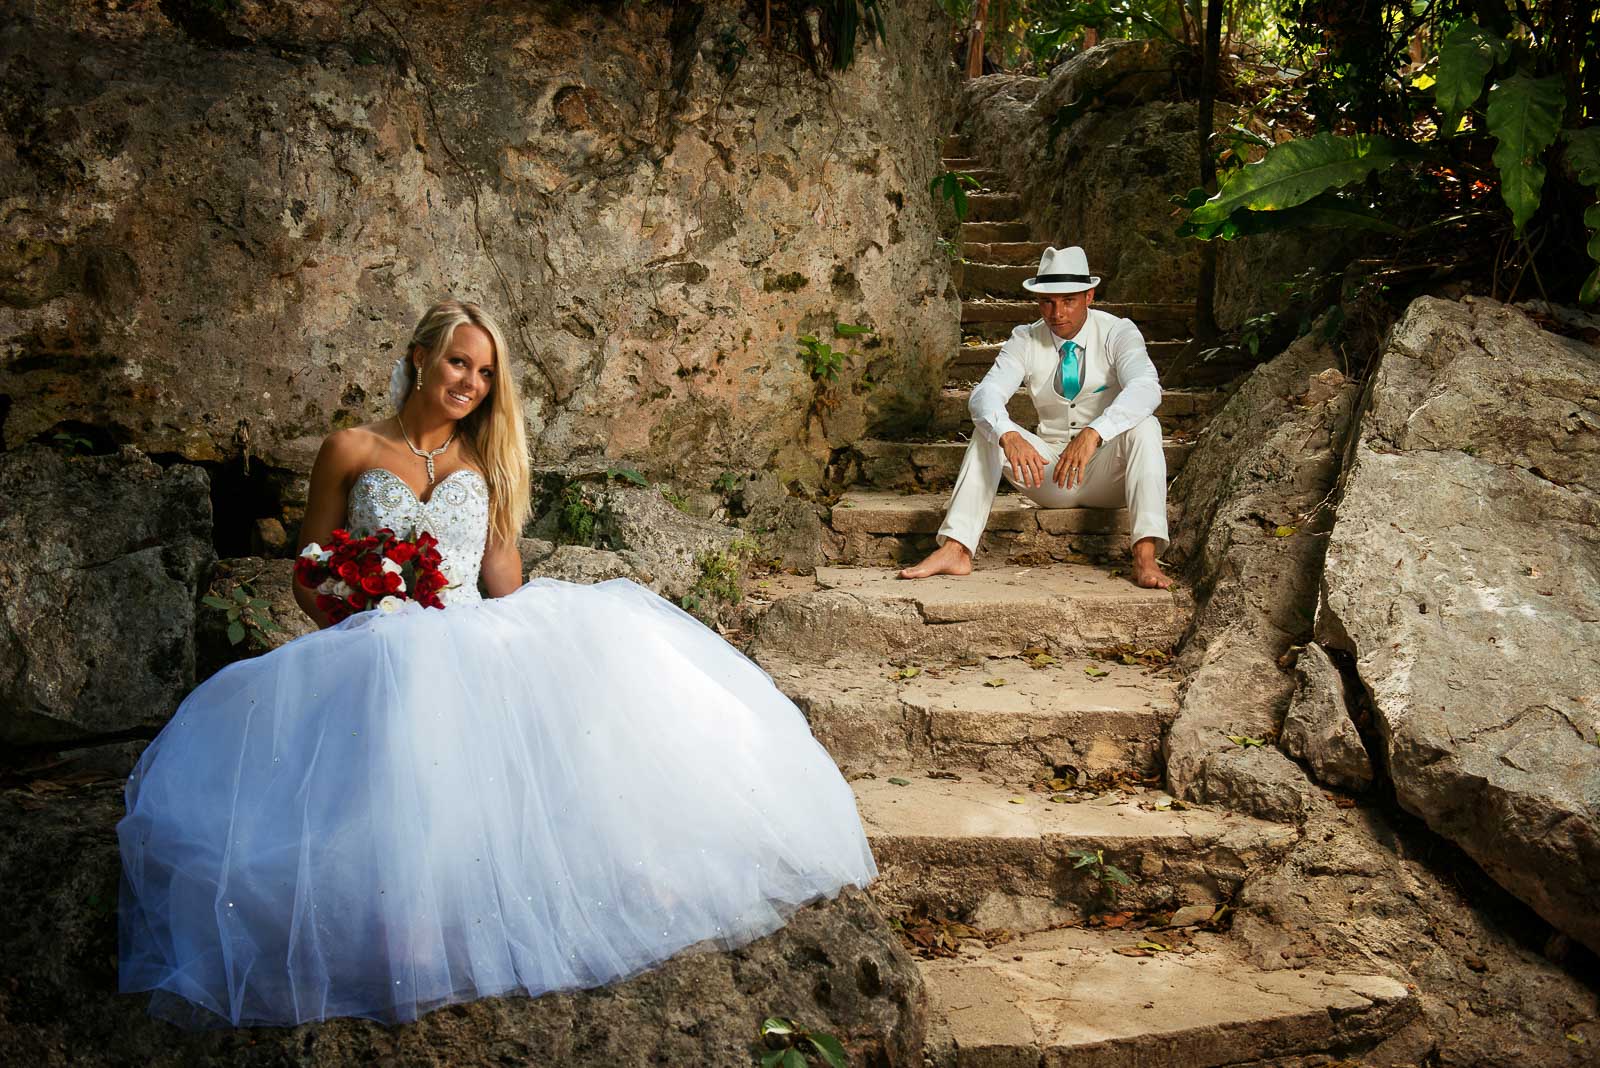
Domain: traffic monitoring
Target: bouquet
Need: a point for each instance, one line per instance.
(380, 570)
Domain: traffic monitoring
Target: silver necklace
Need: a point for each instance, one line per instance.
(426, 456)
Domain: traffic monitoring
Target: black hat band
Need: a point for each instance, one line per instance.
(1086, 279)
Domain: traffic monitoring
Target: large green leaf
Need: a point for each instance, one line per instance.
(1583, 153)
(1590, 292)
(1295, 171)
(1329, 211)
(1465, 59)
(1524, 116)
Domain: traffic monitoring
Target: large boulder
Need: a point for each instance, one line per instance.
(105, 557)
(237, 211)
(836, 967)
(1463, 575)
(1249, 521)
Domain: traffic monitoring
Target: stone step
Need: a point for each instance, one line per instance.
(986, 232)
(997, 854)
(954, 145)
(1019, 717)
(1068, 998)
(960, 162)
(993, 207)
(1182, 410)
(1023, 253)
(979, 280)
(892, 529)
(972, 362)
(998, 610)
(933, 465)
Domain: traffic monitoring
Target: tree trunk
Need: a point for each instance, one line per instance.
(975, 43)
(1205, 326)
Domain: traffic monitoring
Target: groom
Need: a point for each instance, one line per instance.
(1098, 445)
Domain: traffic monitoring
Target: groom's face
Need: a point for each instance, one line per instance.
(1065, 313)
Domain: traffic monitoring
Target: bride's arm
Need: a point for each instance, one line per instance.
(502, 568)
(326, 506)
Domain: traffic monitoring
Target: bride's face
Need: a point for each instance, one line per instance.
(460, 380)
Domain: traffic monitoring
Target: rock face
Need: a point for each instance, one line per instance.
(1463, 576)
(1318, 728)
(236, 213)
(836, 967)
(1248, 530)
(104, 560)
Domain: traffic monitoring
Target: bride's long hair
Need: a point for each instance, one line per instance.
(494, 429)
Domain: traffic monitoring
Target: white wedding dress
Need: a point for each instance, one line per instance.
(550, 790)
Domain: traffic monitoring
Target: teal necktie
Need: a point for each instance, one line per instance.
(1071, 376)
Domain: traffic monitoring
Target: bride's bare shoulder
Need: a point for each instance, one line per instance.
(352, 449)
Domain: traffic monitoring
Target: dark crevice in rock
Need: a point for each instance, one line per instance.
(243, 492)
(5, 410)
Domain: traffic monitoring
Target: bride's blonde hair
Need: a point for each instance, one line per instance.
(494, 429)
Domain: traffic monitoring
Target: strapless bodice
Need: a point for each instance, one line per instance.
(456, 512)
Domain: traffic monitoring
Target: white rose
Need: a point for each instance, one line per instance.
(315, 552)
(390, 604)
(390, 566)
(342, 589)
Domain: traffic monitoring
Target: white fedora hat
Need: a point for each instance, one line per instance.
(1062, 270)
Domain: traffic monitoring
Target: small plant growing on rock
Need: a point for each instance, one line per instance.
(577, 518)
(822, 361)
(719, 583)
(1109, 879)
(785, 1044)
(726, 484)
(249, 616)
(953, 186)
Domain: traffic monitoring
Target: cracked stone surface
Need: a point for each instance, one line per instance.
(1463, 575)
(105, 559)
(997, 610)
(1318, 728)
(1067, 998)
(996, 853)
(998, 715)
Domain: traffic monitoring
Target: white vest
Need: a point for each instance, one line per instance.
(1060, 418)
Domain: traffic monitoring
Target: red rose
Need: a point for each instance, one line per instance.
(339, 537)
(349, 572)
(392, 582)
(374, 584)
(401, 552)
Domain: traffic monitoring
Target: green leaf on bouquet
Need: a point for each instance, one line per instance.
(831, 1048)
(214, 602)
(235, 632)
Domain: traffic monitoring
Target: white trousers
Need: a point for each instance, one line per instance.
(1129, 471)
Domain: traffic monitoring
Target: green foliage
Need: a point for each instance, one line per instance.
(678, 500)
(1295, 172)
(1465, 58)
(578, 518)
(249, 616)
(1524, 116)
(953, 186)
(822, 361)
(824, 34)
(1109, 879)
(720, 582)
(626, 474)
(785, 1044)
(727, 483)
(72, 444)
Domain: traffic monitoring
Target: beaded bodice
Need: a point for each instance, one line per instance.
(456, 512)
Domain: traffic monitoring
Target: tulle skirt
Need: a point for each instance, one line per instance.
(551, 790)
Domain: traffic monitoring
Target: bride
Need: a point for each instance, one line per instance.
(553, 787)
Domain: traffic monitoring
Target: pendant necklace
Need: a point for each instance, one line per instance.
(426, 456)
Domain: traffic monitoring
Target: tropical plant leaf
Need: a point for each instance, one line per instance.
(1296, 171)
(831, 1048)
(1465, 58)
(1524, 116)
(1583, 154)
(235, 632)
(778, 1025)
(215, 602)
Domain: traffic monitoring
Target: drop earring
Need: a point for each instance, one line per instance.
(419, 376)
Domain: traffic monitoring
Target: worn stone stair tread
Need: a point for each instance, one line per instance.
(993, 207)
(1001, 715)
(953, 145)
(984, 232)
(935, 464)
(947, 599)
(1004, 253)
(887, 512)
(1073, 1000)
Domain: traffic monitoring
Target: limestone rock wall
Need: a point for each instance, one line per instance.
(221, 221)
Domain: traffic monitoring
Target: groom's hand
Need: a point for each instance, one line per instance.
(1076, 456)
(1027, 464)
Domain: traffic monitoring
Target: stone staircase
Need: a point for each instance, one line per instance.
(900, 487)
(1002, 732)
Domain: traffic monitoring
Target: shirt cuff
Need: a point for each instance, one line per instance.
(1001, 426)
(1106, 428)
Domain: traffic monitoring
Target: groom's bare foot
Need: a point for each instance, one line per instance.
(951, 558)
(1146, 572)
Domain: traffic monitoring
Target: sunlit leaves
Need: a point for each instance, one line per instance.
(1465, 58)
(1295, 172)
(1524, 117)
